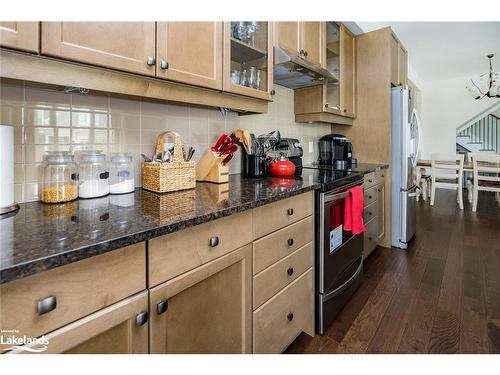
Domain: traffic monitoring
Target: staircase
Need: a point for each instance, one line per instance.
(482, 135)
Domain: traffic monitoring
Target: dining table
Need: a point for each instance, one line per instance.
(468, 166)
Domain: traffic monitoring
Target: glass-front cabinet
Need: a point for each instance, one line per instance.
(332, 90)
(248, 58)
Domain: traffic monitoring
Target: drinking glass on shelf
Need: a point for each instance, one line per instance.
(244, 77)
(252, 77)
(252, 28)
(258, 80)
(236, 76)
(240, 30)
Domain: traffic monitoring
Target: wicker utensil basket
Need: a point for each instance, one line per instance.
(163, 177)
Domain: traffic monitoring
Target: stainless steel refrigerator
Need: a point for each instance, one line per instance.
(405, 140)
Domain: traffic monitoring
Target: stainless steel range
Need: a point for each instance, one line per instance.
(338, 253)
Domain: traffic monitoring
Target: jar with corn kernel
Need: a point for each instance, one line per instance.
(60, 177)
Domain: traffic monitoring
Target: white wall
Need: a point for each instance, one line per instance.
(446, 105)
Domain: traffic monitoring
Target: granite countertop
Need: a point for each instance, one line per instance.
(369, 167)
(44, 236)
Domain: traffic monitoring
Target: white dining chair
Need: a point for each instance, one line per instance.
(447, 173)
(424, 182)
(486, 176)
(470, 175)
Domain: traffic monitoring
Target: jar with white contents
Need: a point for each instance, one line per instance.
(121, 174)
(93, 175)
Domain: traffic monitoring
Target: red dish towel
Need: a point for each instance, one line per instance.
(353, 211)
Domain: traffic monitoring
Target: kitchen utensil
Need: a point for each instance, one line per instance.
(253, 143)
(190, 153)
(145, 158)
(254, 166)
(220, 142)
(282, 167)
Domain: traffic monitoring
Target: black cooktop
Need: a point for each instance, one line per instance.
(331, 179)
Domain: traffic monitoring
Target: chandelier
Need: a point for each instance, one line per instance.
(488, 86)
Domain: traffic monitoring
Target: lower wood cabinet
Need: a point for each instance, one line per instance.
(121, 328)
(281, 319)
(206, 310)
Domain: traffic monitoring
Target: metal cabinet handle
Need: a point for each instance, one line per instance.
(289, 211)
(161, 307)
(214, 241)
(305, 53)
(370, 213)
(370, 180)
(326, 105)
(46, 305)
(141, 318)
(273, 92)
(302, 52)
(345, 110)
(369, 197)
(290, 271)
(151, 61)
(290, 317)
(163, 64)
(290, 242)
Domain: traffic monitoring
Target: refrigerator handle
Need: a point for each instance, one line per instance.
(417, 190)
(419, 139)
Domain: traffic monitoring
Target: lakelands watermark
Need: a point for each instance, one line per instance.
(11, 338)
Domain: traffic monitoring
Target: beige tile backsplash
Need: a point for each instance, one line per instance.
(46, 120)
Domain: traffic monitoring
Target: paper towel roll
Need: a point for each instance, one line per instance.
(6, 166)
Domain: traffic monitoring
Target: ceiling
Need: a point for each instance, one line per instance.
(446, 49)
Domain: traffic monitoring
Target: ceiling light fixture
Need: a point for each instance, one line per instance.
(488, 80)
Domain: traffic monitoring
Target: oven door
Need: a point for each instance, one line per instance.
(338, 249)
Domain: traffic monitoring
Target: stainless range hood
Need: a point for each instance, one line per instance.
(293, 71)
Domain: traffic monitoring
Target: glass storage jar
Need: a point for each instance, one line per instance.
(121, 174)
(93, 175)
(60, 177)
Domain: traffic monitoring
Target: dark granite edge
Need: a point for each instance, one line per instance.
(376, 167)
(21, 270)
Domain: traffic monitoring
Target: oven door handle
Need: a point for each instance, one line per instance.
(341, 288)
(334, 197)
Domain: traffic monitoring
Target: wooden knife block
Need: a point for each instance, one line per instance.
(210, 168)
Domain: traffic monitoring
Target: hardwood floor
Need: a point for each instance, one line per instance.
(441, 295)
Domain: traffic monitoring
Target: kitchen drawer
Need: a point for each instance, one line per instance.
(370, 211)
(270, 281)
(380, 176)
(281, 319)
(281, 243)
(178, 252)
(72, 291)
(273, 216)
(370, 180)
(370, 195)
(371, 237)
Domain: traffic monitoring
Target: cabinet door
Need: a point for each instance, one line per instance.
(20, 35)
(402, 65)
(381, 211)
(348, 72)
(287, 36)
(312, 42)
(128, 46)
(206, 310)
(333, 51)
(394, 61)
(190, 52)
(121, 328)
(248, 59)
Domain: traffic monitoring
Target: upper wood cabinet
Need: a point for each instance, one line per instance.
(20, 35)
(399, 62)
(312, 42)
(287, 35)
(334, 102)
(306, 39)
(205, 310)
(248, 59)
(128, 46)
(347, 72)
(190, 52)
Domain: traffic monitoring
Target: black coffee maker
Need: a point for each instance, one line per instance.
(335, 151)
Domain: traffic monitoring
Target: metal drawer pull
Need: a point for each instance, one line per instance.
(290, 242)
(151, 61)
(369, 197)
(214, 241)
(341, 288)
(163, 64)
(370, 180)
(290, 317)
(46, 305)
(289, 211)
(290, 271)
(141, 318)
(162, 307)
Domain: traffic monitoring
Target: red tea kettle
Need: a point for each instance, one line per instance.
(282, 167)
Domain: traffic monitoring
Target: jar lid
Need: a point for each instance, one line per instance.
(59, 157)
(120, 157)
(92, 157)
